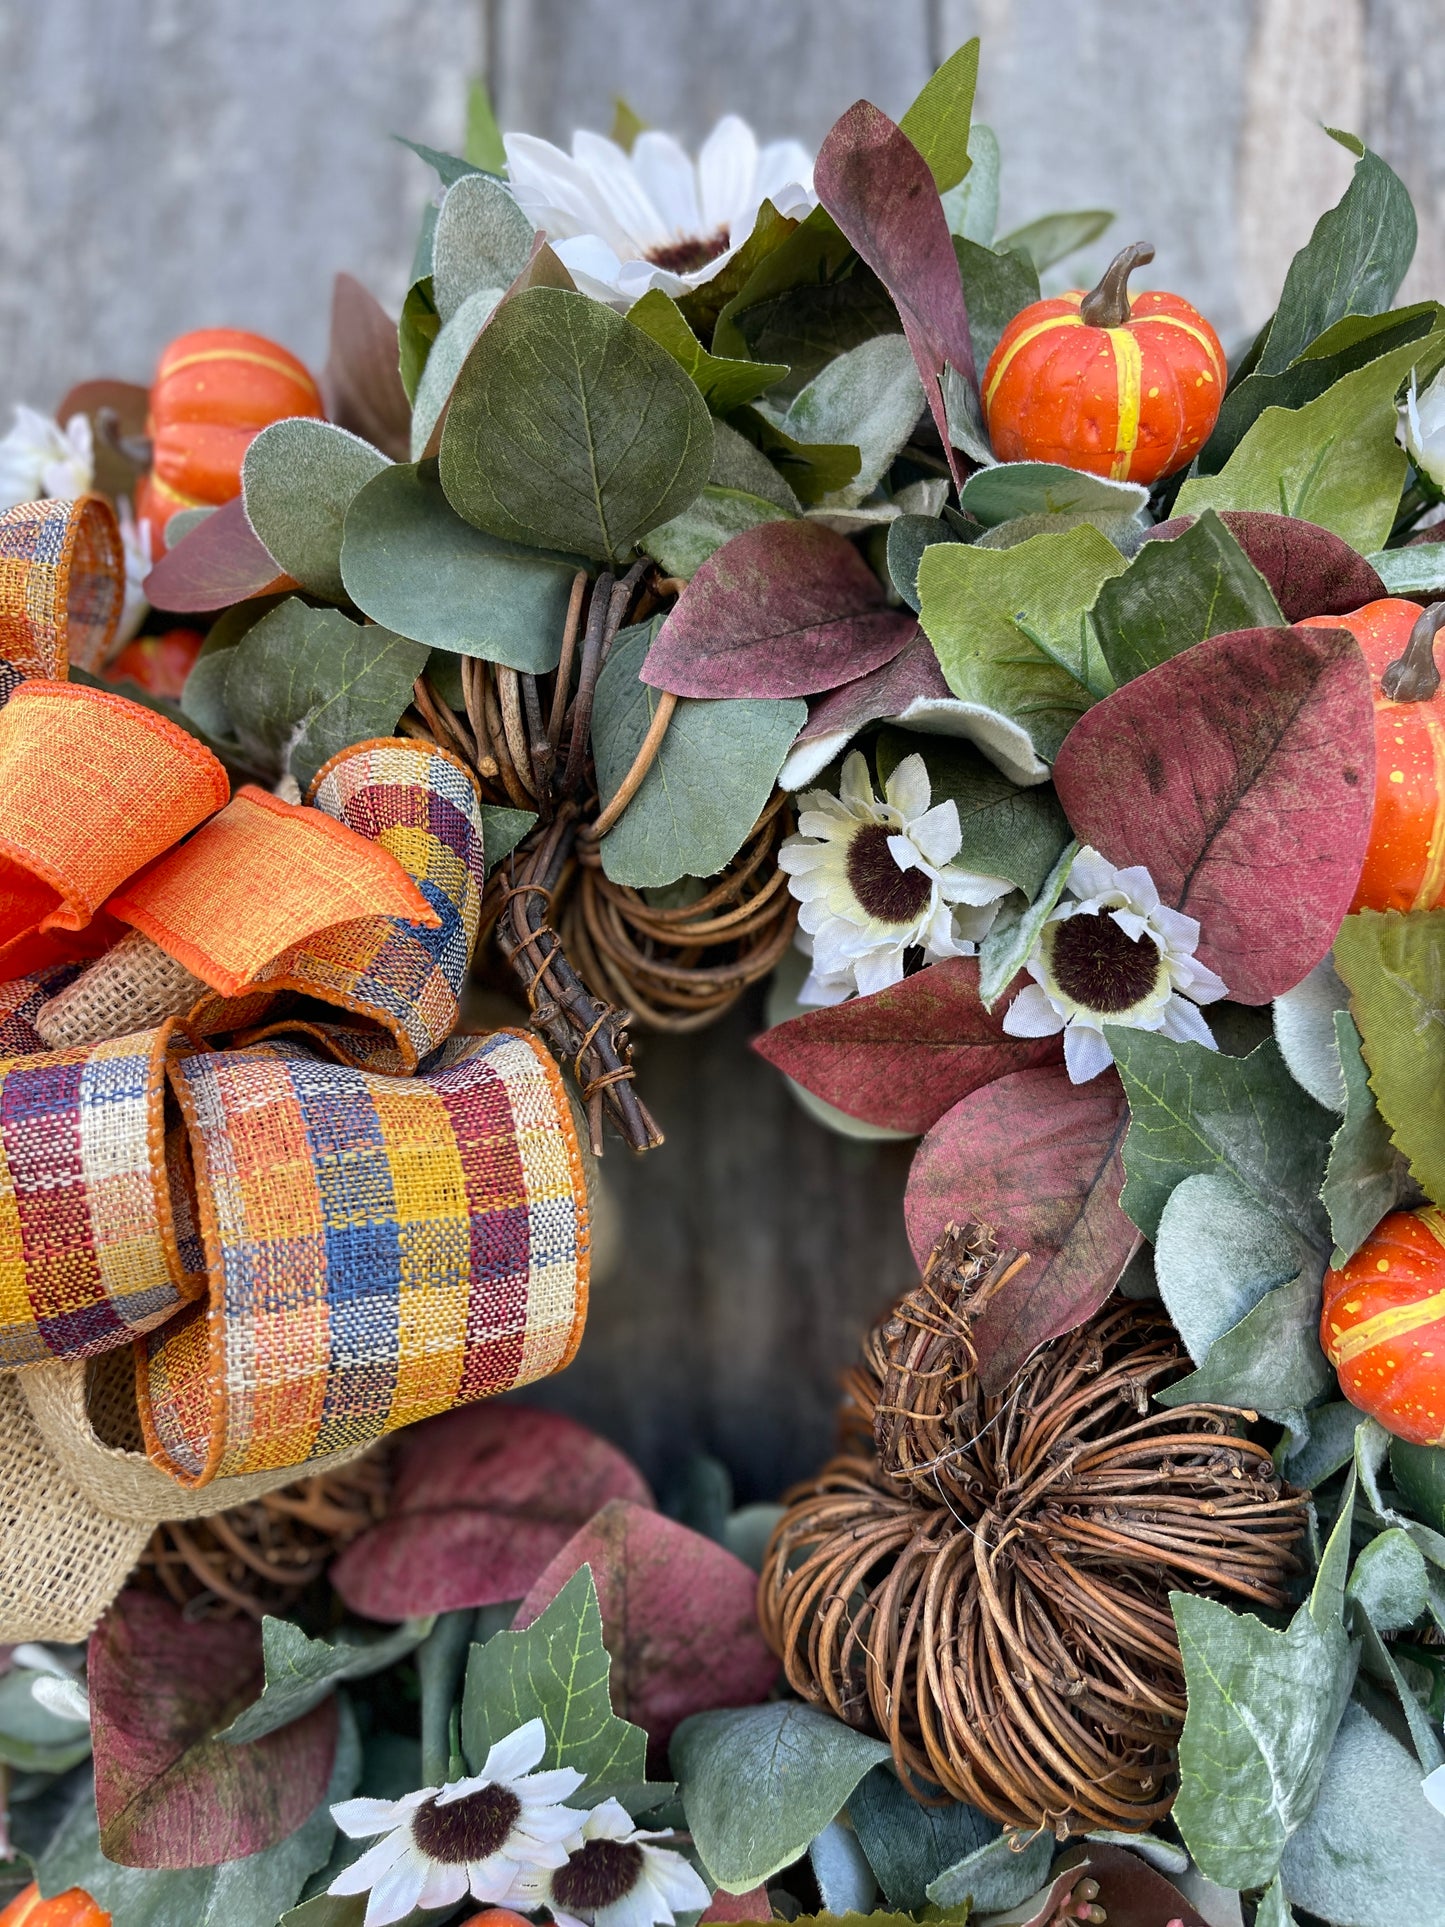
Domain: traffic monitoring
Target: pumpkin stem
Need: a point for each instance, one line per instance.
(1107, 306)
(136, 449)
(1415, 678)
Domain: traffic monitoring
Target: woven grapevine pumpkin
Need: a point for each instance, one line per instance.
(1383, 1325)
(74, 1908)
(1405, 862)
(214, 391)
(1127, 389)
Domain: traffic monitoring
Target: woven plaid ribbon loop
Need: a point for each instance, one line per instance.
(62, 584)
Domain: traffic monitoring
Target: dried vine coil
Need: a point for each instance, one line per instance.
(261, 1557)
(984, 1580)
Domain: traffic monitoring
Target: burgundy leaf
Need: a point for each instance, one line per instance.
(221, 561)
(483, 1498)
(1311, 571)
(678, 1618)
(881, 192)
(168, 1792)
(1241, 773)
(883, 695)
(785, 609)
(1131, 1892)
(755, 1904)
(362, 379)
(128, 404)
(904, 1056)
(1039, 1160)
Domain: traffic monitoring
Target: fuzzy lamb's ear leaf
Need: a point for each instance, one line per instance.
(482, 240)
(1217, 1252)
(903, 1057)
(168, 1791)
(1251, 813)
(869, 398)
(1039, 1159)
(1394, 965)
(298, 480)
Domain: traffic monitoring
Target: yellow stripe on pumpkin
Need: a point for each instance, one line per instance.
(247, 355)
(1398, 1322)
(1178, 321)
(1028, 335)
(1432, 883)
(1128, 374)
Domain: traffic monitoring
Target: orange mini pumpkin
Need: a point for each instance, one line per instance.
(214, 391)
(1383, 1325)
(74, 1908)
(1127, 389)
(159, 664)
(1405, 861)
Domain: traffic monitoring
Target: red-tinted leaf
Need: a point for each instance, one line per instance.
(904, 1056)
(128, 403)
(678, 1617)
(1038, 1159)
(1131, 1892)
(484, 1497)
(785, 609)
(1312, 571)
(221, 561)
(1241, 773)
(169, 1794)
(362, 380)
(755, 1904)
(883, 695)
(881, 192)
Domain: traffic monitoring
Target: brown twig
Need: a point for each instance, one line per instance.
(562, 688)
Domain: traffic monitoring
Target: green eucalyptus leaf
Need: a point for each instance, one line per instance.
(760, 1783)
(870, 399)
(1419, 1472)
(557, 1670)
(1264, 1707)
(444, 364)
(1218, 1251)
(305, 683)
(413, 564)
(418, 328)
(1010, 627)
(1179, 592)
(1273, 1909)
(1052, 237)
(482, 240)
(908, 1844)
(712, 775)
(1012, 490)
(1193, 1109)
(1334, 461)
(299, 478)
(1007, 831)
(724, 384)
(421, 254)
(32, 1738)
(301, 1672)
(1365, 1175)
(995, 287)
(994, 1876)
(1388, 1582)
(682, 545)
(183, 521)
(972, 206)
(938, 121)
(1394, 965)
(571, 429)
(1270, 1361)
(908, 537)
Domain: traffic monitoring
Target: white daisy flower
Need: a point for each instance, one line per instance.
(136, 541)
(479, 1835)
(876, 879)
(38, 457)
(1422, 428)
(616, 1878)
(1112, 953)
(655, 218)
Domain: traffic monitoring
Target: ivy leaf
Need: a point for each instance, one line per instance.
(571, 430)
(1251, 815)
(1335, 461)
(302, 1672)
(1394, 965)
(1270, 1361)
(168, 1791)
(1263, 1710)
(1051, 237)
(908, 1845)
(482, 1499)
(304, 683)
(1308, 571)
(298, 479)
(412, 564)
(1010, 628)
(996, 287)
(1038, 1158)
(1363, 1179)
(1193, 1109)
(707, 784)
(759, 1784)
(904, 1056)
(221, 561)
(1007, 831)
(557, 1671)
(725, 384)
(782, 610)
(938, 121)
(482, 240)
(1218, 1251)
(1175, 594)
(1377, 1860)
(868, 398)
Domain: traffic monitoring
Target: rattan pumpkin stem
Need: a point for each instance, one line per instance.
(1414, 678)
(1107, 305)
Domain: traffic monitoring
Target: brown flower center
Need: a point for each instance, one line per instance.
(690, 254)
(467, 1830)
(1101, 966)
(599, 1873)
(885, 892)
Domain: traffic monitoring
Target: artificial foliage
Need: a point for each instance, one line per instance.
(806, 588)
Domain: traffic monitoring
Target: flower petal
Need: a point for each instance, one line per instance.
(1086, 1052)
(937, 832)
(363, 1873)
(855, 788)
(614, 181)
(514, 1754)
(1032, 1014)
(397, 1891)
(908, 788)
(444, 1885)
(361, 1818)
(669, 178)
(727, 173)
(1185, 1023)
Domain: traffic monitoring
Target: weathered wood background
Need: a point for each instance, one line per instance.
(167, 164)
